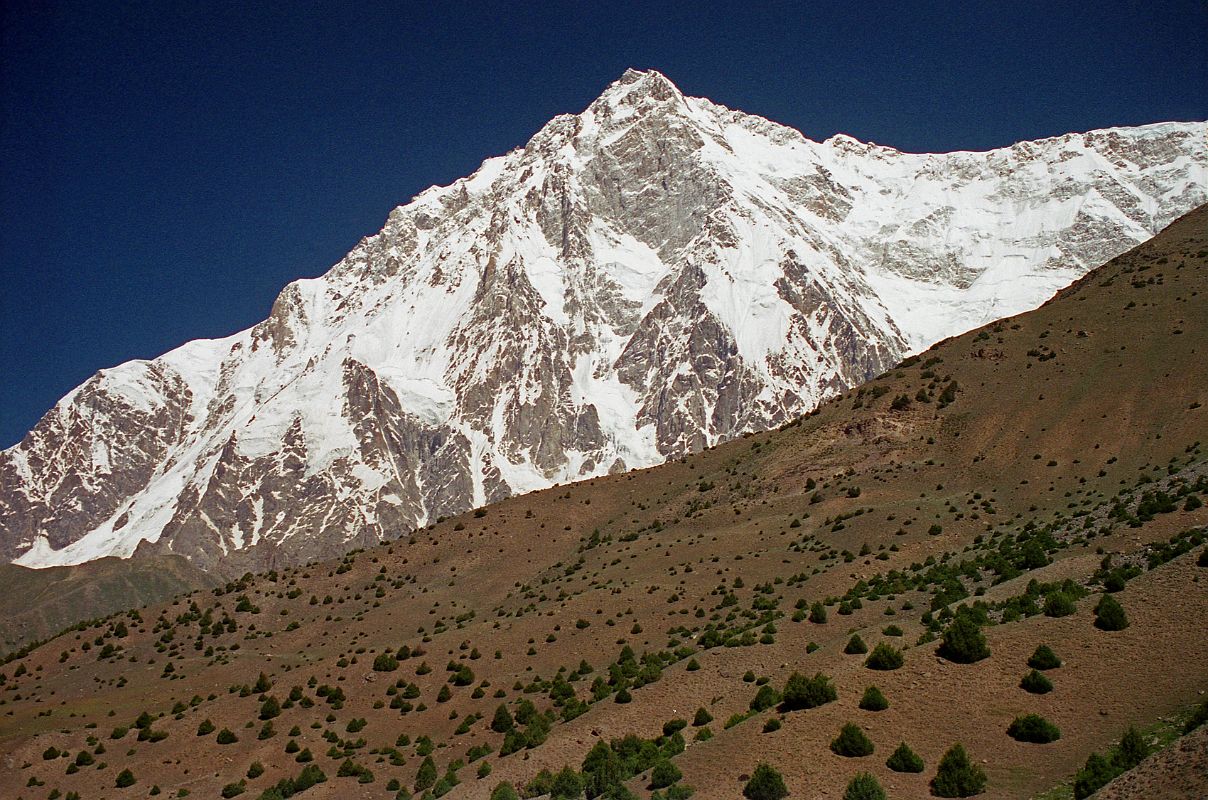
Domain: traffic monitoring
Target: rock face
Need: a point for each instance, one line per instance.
(649, 277)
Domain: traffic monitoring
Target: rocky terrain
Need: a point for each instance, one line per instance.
(651, 277)
(719, 621)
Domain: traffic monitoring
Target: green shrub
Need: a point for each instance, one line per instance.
(674, 726)
(818, 613)
(1044, 658)
(703, 717)
(385, 662)
(288, 787)
(765, 698)
(957, 776)
(234, 789)
(801, 692)
(963, 642)
(502, 721)
(864, 787)
(884, 657)
(664, 774)
(1096, 774)
(1109, 614)
(1033, 728)
(226, 737)
(270, 708)
(504, 791)
(904, 760)
(765, 784)
(873, 700)
(851, 742)
(205, 728)
(1198, 717)
(1059, 604)
(1100, 770)
(855, 646)
(568, 785)
(1132, 749)
(772, 725)
(1035, 683)
(124, 778)
(425, 777)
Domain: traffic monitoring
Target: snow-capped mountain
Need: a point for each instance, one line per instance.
(649, 277)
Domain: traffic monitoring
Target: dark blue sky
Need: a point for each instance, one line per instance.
(165, 169)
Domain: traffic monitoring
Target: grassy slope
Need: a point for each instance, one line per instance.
(1026, 440)
(37, 603)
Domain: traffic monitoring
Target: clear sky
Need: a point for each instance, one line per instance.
(166, 167)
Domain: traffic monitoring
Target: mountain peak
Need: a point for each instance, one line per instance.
(636, 83)
(647, 278)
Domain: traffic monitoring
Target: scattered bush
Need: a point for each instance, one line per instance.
(674, 726)
(1035, 683)
(270, 708)
(1198, 717)
(765, 698)
(765, 784)
(855, 646)
(873, 700)
(502, 721)
(1033, 728)
(426, 776)
(801, 692)
(962, 641)
(1109, 614)
(884, 657)
(864, 787)
(904, 760)
(1096, 774)
(310, 775)
(664, 774)
(1100, 770)
(851, 742)
(504, 791)
(225, 736)
(567, 785)
(1044, 658)
(124, 778)
(818, 613)
(1059, 604)
(957, 776)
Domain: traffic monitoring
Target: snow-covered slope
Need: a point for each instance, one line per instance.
(649, 277)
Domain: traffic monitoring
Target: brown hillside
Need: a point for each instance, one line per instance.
(1068, 434)
(37, 603)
